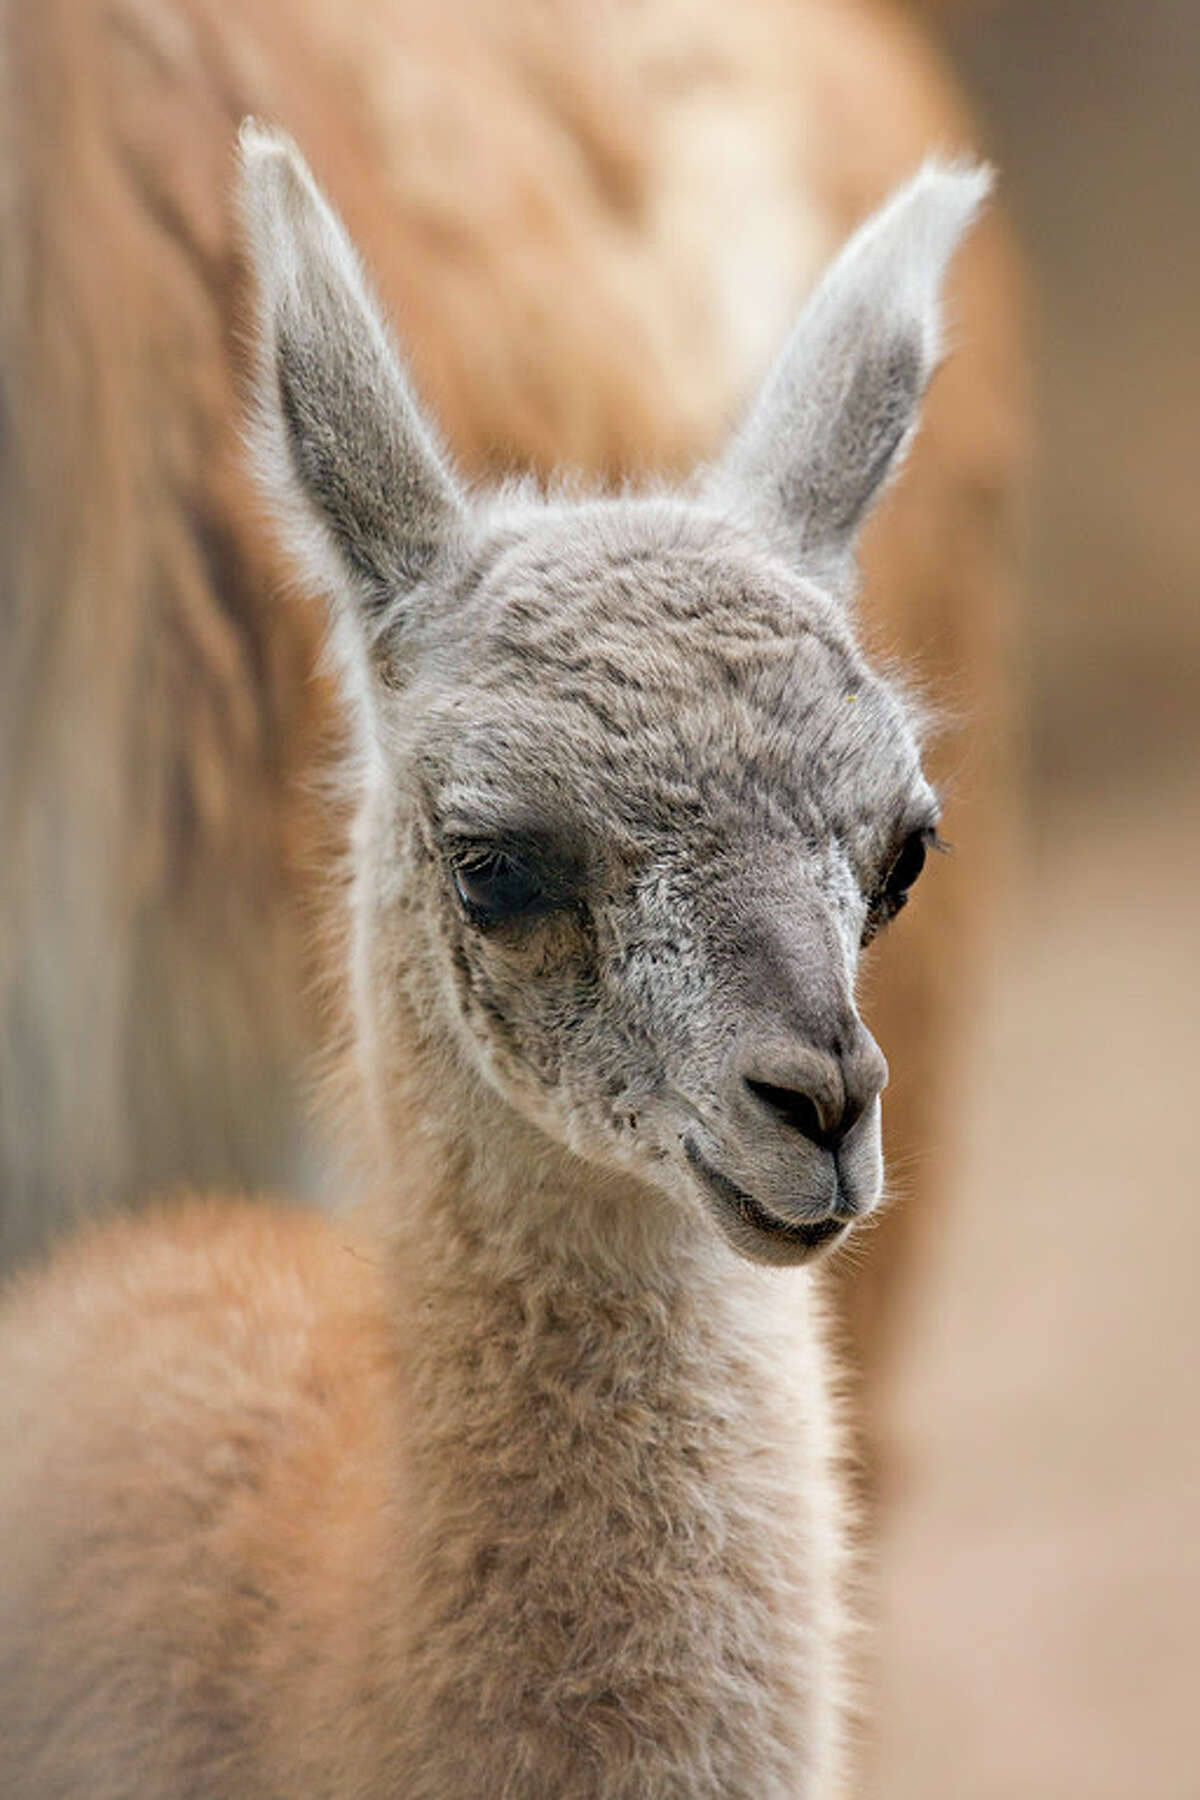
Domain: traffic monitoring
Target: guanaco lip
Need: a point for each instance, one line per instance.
(809, 1235)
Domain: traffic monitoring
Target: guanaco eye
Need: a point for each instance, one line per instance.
(892, 893)
(493, 886)
(907, 866)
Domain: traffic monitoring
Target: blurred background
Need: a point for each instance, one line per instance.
(1033, 1346)
(1041, 1568)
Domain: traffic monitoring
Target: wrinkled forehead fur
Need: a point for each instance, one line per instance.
(641, 671)
(627, 777)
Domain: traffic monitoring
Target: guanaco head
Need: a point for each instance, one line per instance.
(632, 800)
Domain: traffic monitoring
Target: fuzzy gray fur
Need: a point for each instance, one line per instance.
(658, 704)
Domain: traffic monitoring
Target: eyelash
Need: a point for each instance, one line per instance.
(501, 881)
(494, 885)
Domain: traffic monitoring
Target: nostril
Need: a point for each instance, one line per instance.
(802, 1113)
(795, 1109)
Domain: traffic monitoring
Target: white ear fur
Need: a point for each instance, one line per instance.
(366, 497)
(838, 410)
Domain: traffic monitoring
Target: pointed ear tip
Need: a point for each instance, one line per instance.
(257, 141)
(265, 154)
(960, 186)
(273, 196)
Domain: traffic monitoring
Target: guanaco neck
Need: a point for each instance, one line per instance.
(617, 1554)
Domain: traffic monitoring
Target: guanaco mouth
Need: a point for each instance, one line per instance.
(809, 1236)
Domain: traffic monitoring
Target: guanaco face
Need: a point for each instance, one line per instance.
(633, 801)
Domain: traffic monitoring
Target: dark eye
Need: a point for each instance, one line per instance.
(494, 885)
(892, 893)
(907, 866)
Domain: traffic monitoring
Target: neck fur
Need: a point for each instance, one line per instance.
(619, 1553)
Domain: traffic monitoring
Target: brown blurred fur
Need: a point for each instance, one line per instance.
(592, 226)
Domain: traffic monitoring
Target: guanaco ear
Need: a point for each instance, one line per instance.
(840, 406)
(366, 496)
